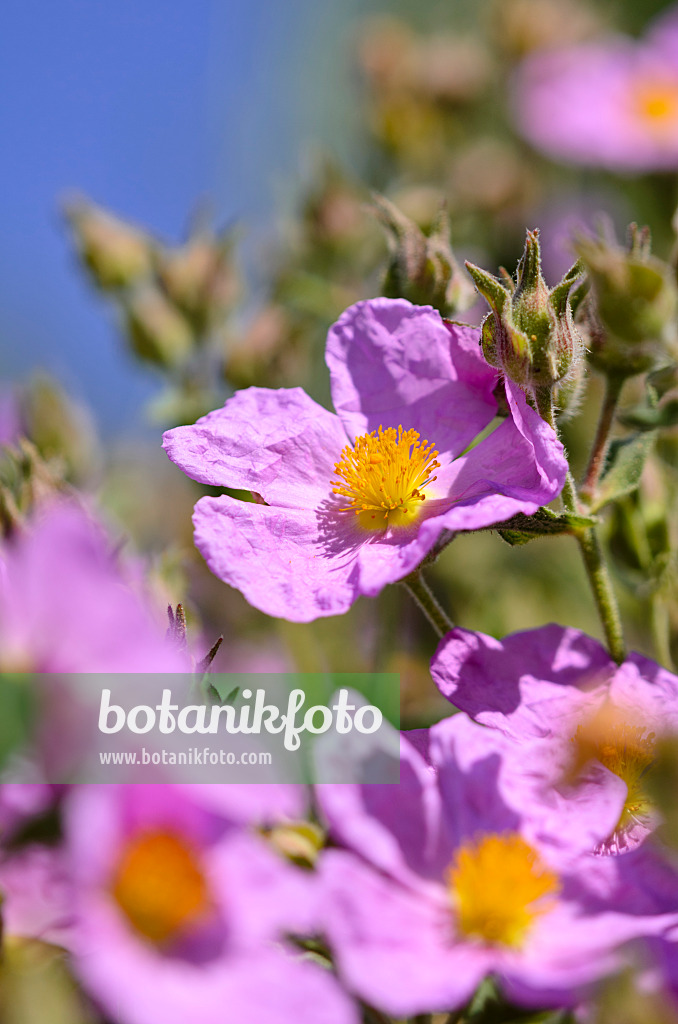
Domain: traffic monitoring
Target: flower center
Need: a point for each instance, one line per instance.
(383, 476)
(499, 887)
(160, 886)
(623, 747)
(655, 101)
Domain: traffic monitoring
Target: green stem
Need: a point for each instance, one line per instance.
(601, 443)
(661, 630)
(420, 591)
(601, 585)
(592, 553)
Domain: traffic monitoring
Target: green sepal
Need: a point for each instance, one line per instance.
(489, 287)
(624, 466)
(543, 523)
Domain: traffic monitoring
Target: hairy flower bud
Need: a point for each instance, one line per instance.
(423, 268)
(530, 333)
(157, 331)
(630, 320)
(116, 253)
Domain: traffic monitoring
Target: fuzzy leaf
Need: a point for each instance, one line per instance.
(625, 464)
(644, 417)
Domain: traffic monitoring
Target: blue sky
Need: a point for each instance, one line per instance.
(146, 106)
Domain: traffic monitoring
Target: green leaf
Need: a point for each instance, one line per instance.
(644, 417)
(543, 523)
(625, 463)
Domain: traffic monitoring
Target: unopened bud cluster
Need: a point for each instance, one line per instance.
(530, 332)
(422, 267)
(170, 298)
(629, 318)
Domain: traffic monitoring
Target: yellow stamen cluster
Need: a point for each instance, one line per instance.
(384, 475)
(626, 748)
(656, 102)
(160, 887)
(499, 887)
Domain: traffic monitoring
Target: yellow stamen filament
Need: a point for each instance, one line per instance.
(160, 887)
(624, 747)
(499, 886)
(384, 475)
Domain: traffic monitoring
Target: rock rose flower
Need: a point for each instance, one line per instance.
(352, 501)
(612, 103)
(444, 880)
(558, 695)
(179, 914)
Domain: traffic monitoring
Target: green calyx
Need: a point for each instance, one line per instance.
(422, 268)
(530, 332)
(630, 323)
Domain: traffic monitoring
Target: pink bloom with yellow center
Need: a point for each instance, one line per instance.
(612, 103)
(350, 502)
(181, 915)
(453, 875)
(559, 697)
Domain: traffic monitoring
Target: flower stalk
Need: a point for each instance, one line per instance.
(589, 545)
(601, 443)
(422, 594)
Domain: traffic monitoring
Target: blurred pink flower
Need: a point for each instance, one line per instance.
(448, 877)
(180, 915)
(612, 103)
(66, 606)
(558, 696)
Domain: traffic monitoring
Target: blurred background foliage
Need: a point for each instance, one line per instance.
(412, 102)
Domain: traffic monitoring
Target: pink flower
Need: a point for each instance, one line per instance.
(65, 605)
(560, 698)
(450, 876)
(611, 104)
(180, 915)
(352, 501)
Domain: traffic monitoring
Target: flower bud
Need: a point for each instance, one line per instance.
(116, 253)
(199, 278)
(631, 318)
(530, 333)
(423, 268)
(158, 333)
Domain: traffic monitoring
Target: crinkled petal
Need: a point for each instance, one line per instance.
(524, 684)
(393, 363)
(281, 444)
(395, 827)
(393, 948)
(469, 766)
(302, 564)
(277, 557)
(648, 689)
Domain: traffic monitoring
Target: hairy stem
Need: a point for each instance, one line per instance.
(592, 552)
(601, 443)
(422, 594)
(601, 584)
